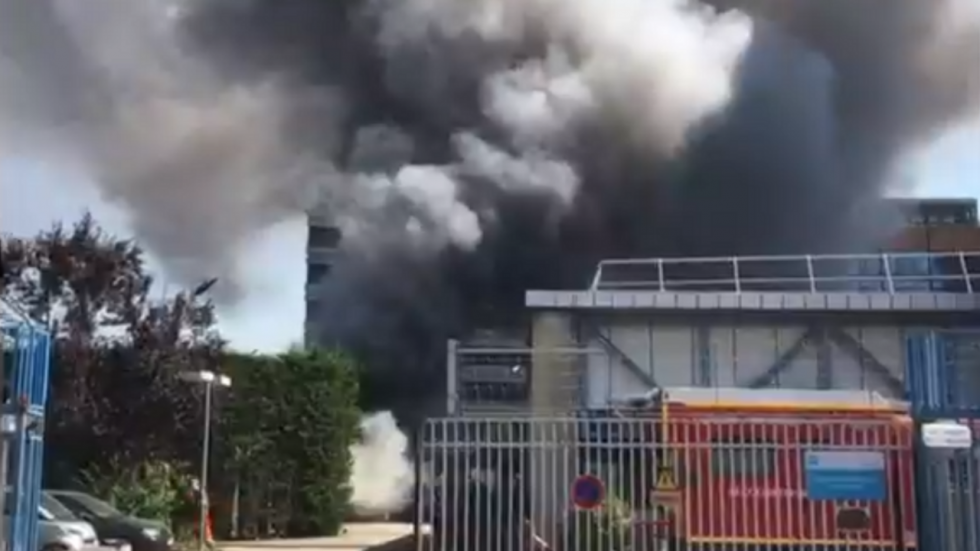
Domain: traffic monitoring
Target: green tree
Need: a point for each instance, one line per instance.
(288, 426)
(325, 423)
(119, 413)
(151, 490)
(254, 474)
(115, 401)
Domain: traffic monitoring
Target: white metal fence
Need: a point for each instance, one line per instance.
(715, 481)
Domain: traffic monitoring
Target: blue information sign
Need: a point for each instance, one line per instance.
(588, 492)
(845, 475)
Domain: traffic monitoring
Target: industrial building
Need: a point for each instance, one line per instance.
(818, 323)
(842, 331)
(596, 392)
(821, 330)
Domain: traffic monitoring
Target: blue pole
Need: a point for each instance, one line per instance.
(24, 378)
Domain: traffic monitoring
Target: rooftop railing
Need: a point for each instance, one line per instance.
(881, 273)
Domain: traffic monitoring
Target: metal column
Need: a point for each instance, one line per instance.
(28, 348)
(947, 481)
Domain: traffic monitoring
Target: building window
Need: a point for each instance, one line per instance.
(918, 265)
(913, 273)
(870, 273)
(948, 214)
(313, 310)
(316, 273)
(742, 460)
(323, 237)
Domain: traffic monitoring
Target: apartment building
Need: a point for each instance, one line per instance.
(322, 240)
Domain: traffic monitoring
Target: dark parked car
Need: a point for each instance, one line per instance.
(112, 524)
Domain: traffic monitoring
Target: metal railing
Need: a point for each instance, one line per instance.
(883, 273)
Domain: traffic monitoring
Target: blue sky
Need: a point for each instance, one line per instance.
(271, 318)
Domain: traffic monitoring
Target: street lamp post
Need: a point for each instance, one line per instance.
(209, 379)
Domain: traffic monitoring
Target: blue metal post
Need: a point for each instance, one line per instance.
(946, 480)
(27, 346)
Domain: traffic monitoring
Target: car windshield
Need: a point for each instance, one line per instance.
(55, 508)
(89, 504)
(48, 509)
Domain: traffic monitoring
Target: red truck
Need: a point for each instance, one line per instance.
(782, 470)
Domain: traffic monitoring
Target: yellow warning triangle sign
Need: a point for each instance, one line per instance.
(666, 481)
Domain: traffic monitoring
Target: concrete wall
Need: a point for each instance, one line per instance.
(555, 377)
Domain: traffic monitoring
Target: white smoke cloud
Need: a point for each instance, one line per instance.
(383, 476)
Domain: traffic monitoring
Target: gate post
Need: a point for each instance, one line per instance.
(28, 345)
(947, 474)
(452, 382)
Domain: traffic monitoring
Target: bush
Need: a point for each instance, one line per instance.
(291, 421)
(149, 490)
(607, 528)
(325, 423)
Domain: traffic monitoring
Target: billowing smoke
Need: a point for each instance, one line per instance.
(383, 477)
(470, 150)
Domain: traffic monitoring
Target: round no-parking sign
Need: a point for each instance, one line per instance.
(588, 492)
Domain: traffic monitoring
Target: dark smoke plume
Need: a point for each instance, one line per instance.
(473, 149)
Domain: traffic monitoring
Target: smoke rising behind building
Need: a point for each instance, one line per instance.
(470, 150)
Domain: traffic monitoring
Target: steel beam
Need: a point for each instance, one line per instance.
(850, 346)
(784, 360)
(825, 359)
(618, 354)
(703, 356)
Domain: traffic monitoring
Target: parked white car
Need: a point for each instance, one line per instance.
(61, 530)
(58, 528)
